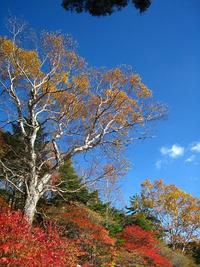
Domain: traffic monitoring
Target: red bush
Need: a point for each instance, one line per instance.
(137, 239)
(21, 245)
(92, 232)
(93, 237)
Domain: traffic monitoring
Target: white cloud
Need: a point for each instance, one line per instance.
(190, 159)
(196, 147)
(174, 151)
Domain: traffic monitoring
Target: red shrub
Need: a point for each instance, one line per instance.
(87, 265)
(93, 237)
(137, 239)
(91, 231)
(21, 245)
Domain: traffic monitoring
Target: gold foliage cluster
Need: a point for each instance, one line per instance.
(57, 82)
(178, 211)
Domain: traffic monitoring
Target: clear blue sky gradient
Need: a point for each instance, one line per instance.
(163, 46)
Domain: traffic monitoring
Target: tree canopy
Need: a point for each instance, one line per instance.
(49, 86)
(103, 7)
(177, 211)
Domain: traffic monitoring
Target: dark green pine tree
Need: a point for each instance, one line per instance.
(72, 184)
(96, 204)
(141, 214)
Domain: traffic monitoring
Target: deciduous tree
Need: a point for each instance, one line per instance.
(49, 86)
(178, 211)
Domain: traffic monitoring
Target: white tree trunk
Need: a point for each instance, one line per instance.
(30, 205)
(36, 190)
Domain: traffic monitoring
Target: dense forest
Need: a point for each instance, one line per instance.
(55, 109)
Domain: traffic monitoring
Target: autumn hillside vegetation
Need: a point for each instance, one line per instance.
(64, 129)
(72, 231)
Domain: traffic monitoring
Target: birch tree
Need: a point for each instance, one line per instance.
(46, 85)
(178, 212)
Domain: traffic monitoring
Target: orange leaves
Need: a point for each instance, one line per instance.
(117, 78)
(53, 40)
(65, 77)
(67, 92)
(81, 83)
(147, 184)
(144, 91)
(72, 58)
(114, 76)
(61, 77)
(82, 108)
(178, 211)
(73, 61)
(135, 79)
(54, 47)
(6, 48)
(140, 89)
(24, 62)
(137, 117)
(27, 61)
(121, 98)
(122, 106)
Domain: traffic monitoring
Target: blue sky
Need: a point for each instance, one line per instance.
(163, 46)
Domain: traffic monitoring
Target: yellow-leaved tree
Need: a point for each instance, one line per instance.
(178, 212)
(45, 85)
